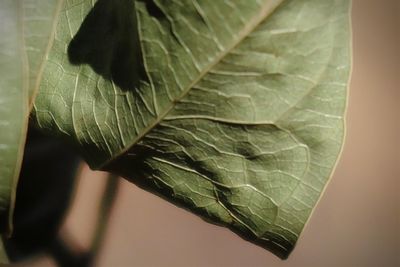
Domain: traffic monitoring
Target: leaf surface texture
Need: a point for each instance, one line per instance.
(235, 109)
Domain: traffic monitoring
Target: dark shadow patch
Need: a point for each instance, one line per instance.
(154, 10)
(108, 41)
(45, 188)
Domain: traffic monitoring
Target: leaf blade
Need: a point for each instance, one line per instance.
(23, 50)
(39, 20)
(14, 107)
(284, 82)
(272, 219)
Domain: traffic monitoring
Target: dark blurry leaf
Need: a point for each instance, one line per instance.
(44, 190)
(3, 255)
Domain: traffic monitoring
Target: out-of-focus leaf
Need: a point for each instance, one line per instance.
(25, 27)
(45, 187)
(233, 109)
(3, 256)
(13, 105)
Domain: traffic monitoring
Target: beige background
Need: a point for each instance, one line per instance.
(357, 222)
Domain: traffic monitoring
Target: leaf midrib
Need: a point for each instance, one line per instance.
(49, 45)
(265, 11)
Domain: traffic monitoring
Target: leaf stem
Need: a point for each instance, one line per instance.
(64, 256)
(105, 208)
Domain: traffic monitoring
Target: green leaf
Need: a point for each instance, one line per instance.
(3, 256)
(230, 109)
(39, 22)
(26, 34)
(13, 106)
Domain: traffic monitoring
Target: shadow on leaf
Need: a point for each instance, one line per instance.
(108, 41)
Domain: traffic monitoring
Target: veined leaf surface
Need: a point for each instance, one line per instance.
(235, 109)
(39, 21)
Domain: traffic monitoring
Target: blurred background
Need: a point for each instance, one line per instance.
(356, 223)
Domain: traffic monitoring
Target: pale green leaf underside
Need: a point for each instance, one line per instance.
(13, 104)
(25, 29)
(240, 115)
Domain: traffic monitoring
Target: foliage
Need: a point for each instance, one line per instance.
(233, 110)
